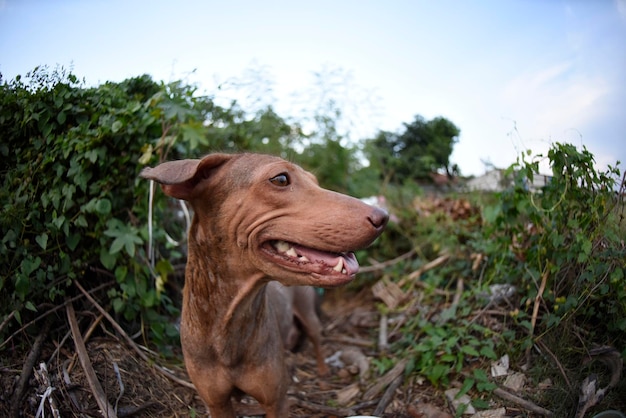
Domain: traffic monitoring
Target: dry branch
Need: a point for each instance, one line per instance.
(428, 266)
(96, 388)
(319, 408)
(381, 266)
(130, 341)
(388, 396)
(387, 379)
(522, 402)
(533, 319)
(27, 370)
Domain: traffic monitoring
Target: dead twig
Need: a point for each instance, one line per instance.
(7, 320)
(130, 341)
(388, 396)
(96, 388)
(522, 402)
(387, 379)
(383, 343)
(324, 409)
(428, 266)
(381, 266)
(344, 339)
(557, 362)
(86, 337)
(47, 313)
(538, 299)
(27, 369)
(44, 380)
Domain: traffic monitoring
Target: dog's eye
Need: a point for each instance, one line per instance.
(281, 180)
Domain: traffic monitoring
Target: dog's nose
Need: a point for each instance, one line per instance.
(378, 218)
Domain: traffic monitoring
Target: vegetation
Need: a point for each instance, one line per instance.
(548, 265)
(74, 211)
(423, 148)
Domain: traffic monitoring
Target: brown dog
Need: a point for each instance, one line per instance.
(257, 218)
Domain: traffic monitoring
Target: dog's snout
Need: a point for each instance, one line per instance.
(378, 218)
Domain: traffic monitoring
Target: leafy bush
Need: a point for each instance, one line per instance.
(566, 234)
(73, 207)
(565, 239)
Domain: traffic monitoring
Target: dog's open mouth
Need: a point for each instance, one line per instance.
(316, 261)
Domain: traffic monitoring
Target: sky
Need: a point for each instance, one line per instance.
(513, 75)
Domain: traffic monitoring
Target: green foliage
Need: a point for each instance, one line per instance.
(424, 147)
(443, 349)
(73, 207)
(566, 232)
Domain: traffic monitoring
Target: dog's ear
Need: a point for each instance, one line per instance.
(179, 178)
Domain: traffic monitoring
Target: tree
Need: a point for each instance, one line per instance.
(422, 148)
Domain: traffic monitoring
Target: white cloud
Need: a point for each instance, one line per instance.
(554, 99)
(621, 8)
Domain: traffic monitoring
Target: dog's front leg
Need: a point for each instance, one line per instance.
(223, 410)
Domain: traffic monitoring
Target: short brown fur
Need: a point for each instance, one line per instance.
(233, 328)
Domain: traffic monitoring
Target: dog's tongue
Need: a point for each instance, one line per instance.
(348, 260)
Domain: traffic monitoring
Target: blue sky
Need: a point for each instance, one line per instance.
(512, 75)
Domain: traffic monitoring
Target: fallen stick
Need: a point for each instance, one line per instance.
(387, 379)
(130, 341)
(44, 380)
(522, 402)
(388, 396)
(533, 319)
(388, 263)
(27, 370)
(106, 408)
(323, 409)
(383, 343)
(428, 266)
(45, 314)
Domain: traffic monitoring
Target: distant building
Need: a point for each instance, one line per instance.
(496, 181)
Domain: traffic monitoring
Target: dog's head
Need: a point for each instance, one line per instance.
(274, 215)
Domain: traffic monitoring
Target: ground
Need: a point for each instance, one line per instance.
(350, 323)
(136, 388)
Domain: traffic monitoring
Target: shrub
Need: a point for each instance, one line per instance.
(563, 238)
(73, 207)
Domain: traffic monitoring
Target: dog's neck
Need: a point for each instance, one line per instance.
(225, 309)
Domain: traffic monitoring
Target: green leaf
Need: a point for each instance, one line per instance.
(469, 350)
(22, 286)
(42, 240)
(117, 125)
(61, 118)
(72, 241)
(118, 305)
(107, 259)
(617, 275)
(29, 265)
(103, 206)
(120, 273)
(81, 221)
(147, 154)
(117, 245)
(488, 352)
(466, 387)
(125, 237)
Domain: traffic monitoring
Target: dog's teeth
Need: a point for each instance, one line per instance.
(303, 258)
(339, 267)
(282, 246)
(291, 252)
